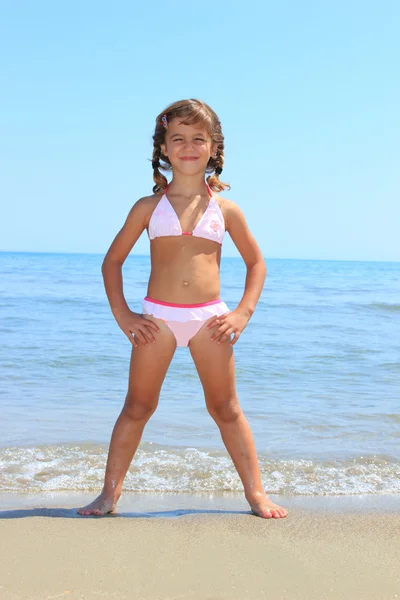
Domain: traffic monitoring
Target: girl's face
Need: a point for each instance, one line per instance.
(188, 147)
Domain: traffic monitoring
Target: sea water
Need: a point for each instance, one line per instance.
(318, 378)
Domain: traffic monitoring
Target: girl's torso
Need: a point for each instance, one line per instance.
(185, 248)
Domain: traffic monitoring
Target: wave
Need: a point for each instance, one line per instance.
(170, 469)
(384, 306)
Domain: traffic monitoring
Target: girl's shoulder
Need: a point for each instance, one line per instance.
(146, 205)
(148, 202)
(224, 203)
(229, 208)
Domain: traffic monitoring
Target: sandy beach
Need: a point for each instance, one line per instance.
(347, 549)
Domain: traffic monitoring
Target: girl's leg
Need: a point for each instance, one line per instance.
(216, 368)
(148, 367)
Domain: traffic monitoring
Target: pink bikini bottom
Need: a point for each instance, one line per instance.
(184, 320)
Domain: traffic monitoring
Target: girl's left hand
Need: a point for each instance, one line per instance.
(227, 324)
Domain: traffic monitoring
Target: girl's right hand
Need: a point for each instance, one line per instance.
(137, 329)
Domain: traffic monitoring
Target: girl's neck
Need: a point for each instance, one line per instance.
(188, 187)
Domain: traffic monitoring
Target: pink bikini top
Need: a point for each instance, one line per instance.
(164, 221)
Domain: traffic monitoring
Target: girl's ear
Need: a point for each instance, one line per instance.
(163, 149)
(214, 148)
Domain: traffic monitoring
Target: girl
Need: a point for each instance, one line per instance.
(186, 222)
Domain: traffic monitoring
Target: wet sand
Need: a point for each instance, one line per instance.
(159, 547)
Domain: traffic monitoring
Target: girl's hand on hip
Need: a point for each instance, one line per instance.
(228, 324)
(137, 329)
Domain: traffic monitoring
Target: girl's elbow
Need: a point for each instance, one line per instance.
(105, 262)
(259, 266)
(262, 265)
(108, 261)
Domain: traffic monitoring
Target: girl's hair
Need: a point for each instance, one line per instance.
(190, 112)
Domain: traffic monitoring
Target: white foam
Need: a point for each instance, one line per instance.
(169, 469)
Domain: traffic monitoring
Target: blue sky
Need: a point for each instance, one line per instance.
(308, 94)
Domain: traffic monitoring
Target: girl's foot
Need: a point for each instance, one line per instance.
(262, 506)
(102, 505)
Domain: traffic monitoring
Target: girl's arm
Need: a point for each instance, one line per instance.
(251, 254)
(235, 321)
(123, 243)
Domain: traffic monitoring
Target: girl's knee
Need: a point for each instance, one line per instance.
(224, 409)
(139, 407)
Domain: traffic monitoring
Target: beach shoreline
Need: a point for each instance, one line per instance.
(169, 503)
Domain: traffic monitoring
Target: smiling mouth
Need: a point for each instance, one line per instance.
(189, 158)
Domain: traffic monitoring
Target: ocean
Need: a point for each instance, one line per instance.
(318, 378)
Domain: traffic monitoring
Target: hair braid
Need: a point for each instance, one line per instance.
(159, 179)
(217, 164)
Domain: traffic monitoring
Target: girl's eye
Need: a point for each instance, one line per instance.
(195, 139)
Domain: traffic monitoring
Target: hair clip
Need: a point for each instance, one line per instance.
(218, 170)
(164, 121)
(155, 164)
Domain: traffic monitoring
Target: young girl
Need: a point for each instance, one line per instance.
(186, 221)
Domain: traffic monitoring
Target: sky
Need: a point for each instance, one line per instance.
(308, 94)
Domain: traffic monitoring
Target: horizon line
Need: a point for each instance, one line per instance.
(233, 257)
